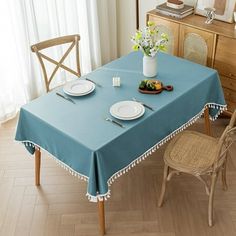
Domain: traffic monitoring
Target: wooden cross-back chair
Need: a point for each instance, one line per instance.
(199, 155)
(74, 42)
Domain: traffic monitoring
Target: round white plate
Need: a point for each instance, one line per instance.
(127, 110)
(79, 88)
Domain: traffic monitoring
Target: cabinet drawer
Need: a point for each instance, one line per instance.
(230, 97)
(228, 82)
(231, 106)
(225, 58)
(230, 94)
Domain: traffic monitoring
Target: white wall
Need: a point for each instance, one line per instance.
(126, 18)
(144, 7)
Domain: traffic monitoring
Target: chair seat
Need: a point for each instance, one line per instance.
(191, 152)
(198, 154)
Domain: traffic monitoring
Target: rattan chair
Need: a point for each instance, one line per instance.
(199, 155)
(74, 42)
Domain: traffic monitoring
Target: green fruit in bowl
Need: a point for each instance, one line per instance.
(142, 84)
(150, 85)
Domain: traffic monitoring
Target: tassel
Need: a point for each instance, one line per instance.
(111, 180)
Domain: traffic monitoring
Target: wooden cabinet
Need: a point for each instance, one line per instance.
(196, 45)
(172, 30)
(225, 63)
(225, 58)
(212, 45)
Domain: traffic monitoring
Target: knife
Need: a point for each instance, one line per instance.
(99, 85)
(62, 96)
(145, 105)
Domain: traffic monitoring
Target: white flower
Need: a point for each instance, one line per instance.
(147, 40)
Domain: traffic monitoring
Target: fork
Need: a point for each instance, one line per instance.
(67, 98)
(145, 105)
(114, 122)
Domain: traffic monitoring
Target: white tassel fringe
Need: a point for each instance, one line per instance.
(101, 197)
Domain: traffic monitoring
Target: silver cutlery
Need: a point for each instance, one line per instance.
(114, 122)
(67, 98)
(145, 105)
(99, 85)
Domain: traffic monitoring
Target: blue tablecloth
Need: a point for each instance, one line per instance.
(78, 136)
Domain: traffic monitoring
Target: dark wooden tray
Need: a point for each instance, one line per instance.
(150, 92)
(167, 88)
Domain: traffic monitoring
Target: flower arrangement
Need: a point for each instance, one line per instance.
(148, 41)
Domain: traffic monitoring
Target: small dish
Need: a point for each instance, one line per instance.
(127, 110)
(79, 88)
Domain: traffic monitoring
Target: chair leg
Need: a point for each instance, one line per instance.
(223, 175)
(37, 166)
(211, 197)
(163, 187)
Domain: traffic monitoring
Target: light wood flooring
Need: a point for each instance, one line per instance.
(60, 207)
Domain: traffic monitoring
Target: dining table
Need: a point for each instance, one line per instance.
(86, 139)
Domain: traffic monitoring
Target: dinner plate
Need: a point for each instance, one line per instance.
(79, 88)
(127, 110)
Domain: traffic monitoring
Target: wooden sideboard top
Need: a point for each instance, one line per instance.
(217, 27)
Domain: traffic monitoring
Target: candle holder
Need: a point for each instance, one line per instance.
(116, 81)
(210, 14)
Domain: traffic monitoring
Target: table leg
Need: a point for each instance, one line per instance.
(101, 216)
(37, 166)
(207, 122)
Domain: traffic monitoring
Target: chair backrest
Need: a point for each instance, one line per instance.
(74, 42)
(226, 140)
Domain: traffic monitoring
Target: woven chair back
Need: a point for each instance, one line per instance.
(73, 40)
(226, 140)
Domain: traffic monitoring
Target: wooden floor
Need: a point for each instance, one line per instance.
(60, 207)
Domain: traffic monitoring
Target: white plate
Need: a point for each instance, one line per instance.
(127, 110)
(79, 88)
